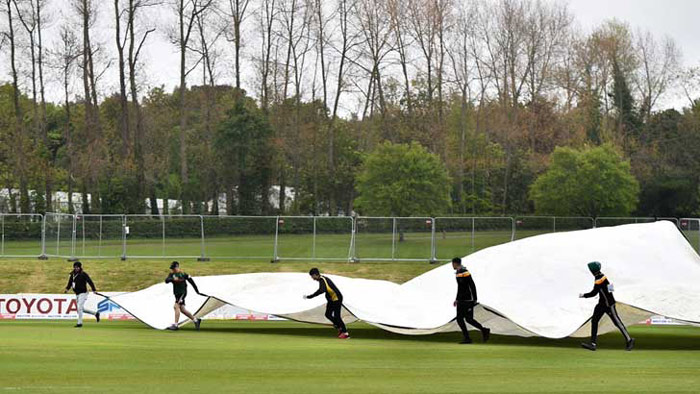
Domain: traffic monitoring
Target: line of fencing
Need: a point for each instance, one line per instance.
(277, 238)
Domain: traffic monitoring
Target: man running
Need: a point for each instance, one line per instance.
(179, 280)
(335, 301)
(78, 280)
(466, 301)
(606, 305)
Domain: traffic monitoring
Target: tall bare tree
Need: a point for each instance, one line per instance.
(399, 16)
(136, 39)
(462, 69)
(294, 21)
(26, 14)
(428, 24)
(65, 55)
(30, 13)
(659, 63)
(186, 12)
(120, 39)
(237, 14)
(501, 30)
(376, 30)
(268, 15)
(208, 35)
(321, 34)
(547, 33)
(18, 132)
(86, 11)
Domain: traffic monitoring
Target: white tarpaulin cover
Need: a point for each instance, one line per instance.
(527, 287)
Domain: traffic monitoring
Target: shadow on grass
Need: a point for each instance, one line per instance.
(646, 338)
(677, 338)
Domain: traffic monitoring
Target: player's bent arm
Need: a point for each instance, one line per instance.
(169, 278)
(316, 294)
(472, 287)
(591, 293)
(194, 286)
(90, 282)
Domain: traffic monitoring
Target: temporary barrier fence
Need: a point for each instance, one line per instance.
(283, 238)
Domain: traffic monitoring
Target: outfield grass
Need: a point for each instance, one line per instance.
(51, 356)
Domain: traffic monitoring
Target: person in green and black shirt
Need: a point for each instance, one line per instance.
(606, 305)
(335, 301)
(179, 280)
(465, 301)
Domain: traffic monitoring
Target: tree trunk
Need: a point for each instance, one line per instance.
(229, 200)
(18, 129)
(68, 134)
(85, 200)
(123, 104)
(153, 202)
(215, 205)
(184, 174)
(138, 132)
(283, 192)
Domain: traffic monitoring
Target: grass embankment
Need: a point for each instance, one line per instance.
(50, 276)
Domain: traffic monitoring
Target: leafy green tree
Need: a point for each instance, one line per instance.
(402, 180)
(243, 141)
(669, 195)
(593, 182)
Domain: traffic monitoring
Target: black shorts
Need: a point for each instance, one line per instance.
(180, 298)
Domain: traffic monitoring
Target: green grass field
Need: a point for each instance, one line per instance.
(51, 356)
(240, 356)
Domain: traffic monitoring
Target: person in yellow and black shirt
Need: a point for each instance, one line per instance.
(466, 301)
(335, 301)
(606, 305)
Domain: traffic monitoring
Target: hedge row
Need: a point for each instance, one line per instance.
(190, 227)
(21, 230)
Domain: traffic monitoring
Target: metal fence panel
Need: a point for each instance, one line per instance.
(333, 238)
(314, 238)
(527, 226)
(99, 236)
(177, 236)
(414, 239)
(375, 238)
(460, 236)
(240, 237)
(393, 239)
(59, 235)
(295, 238)
(573, 223)
(21, 235)
(618, 221)
(690, 227)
